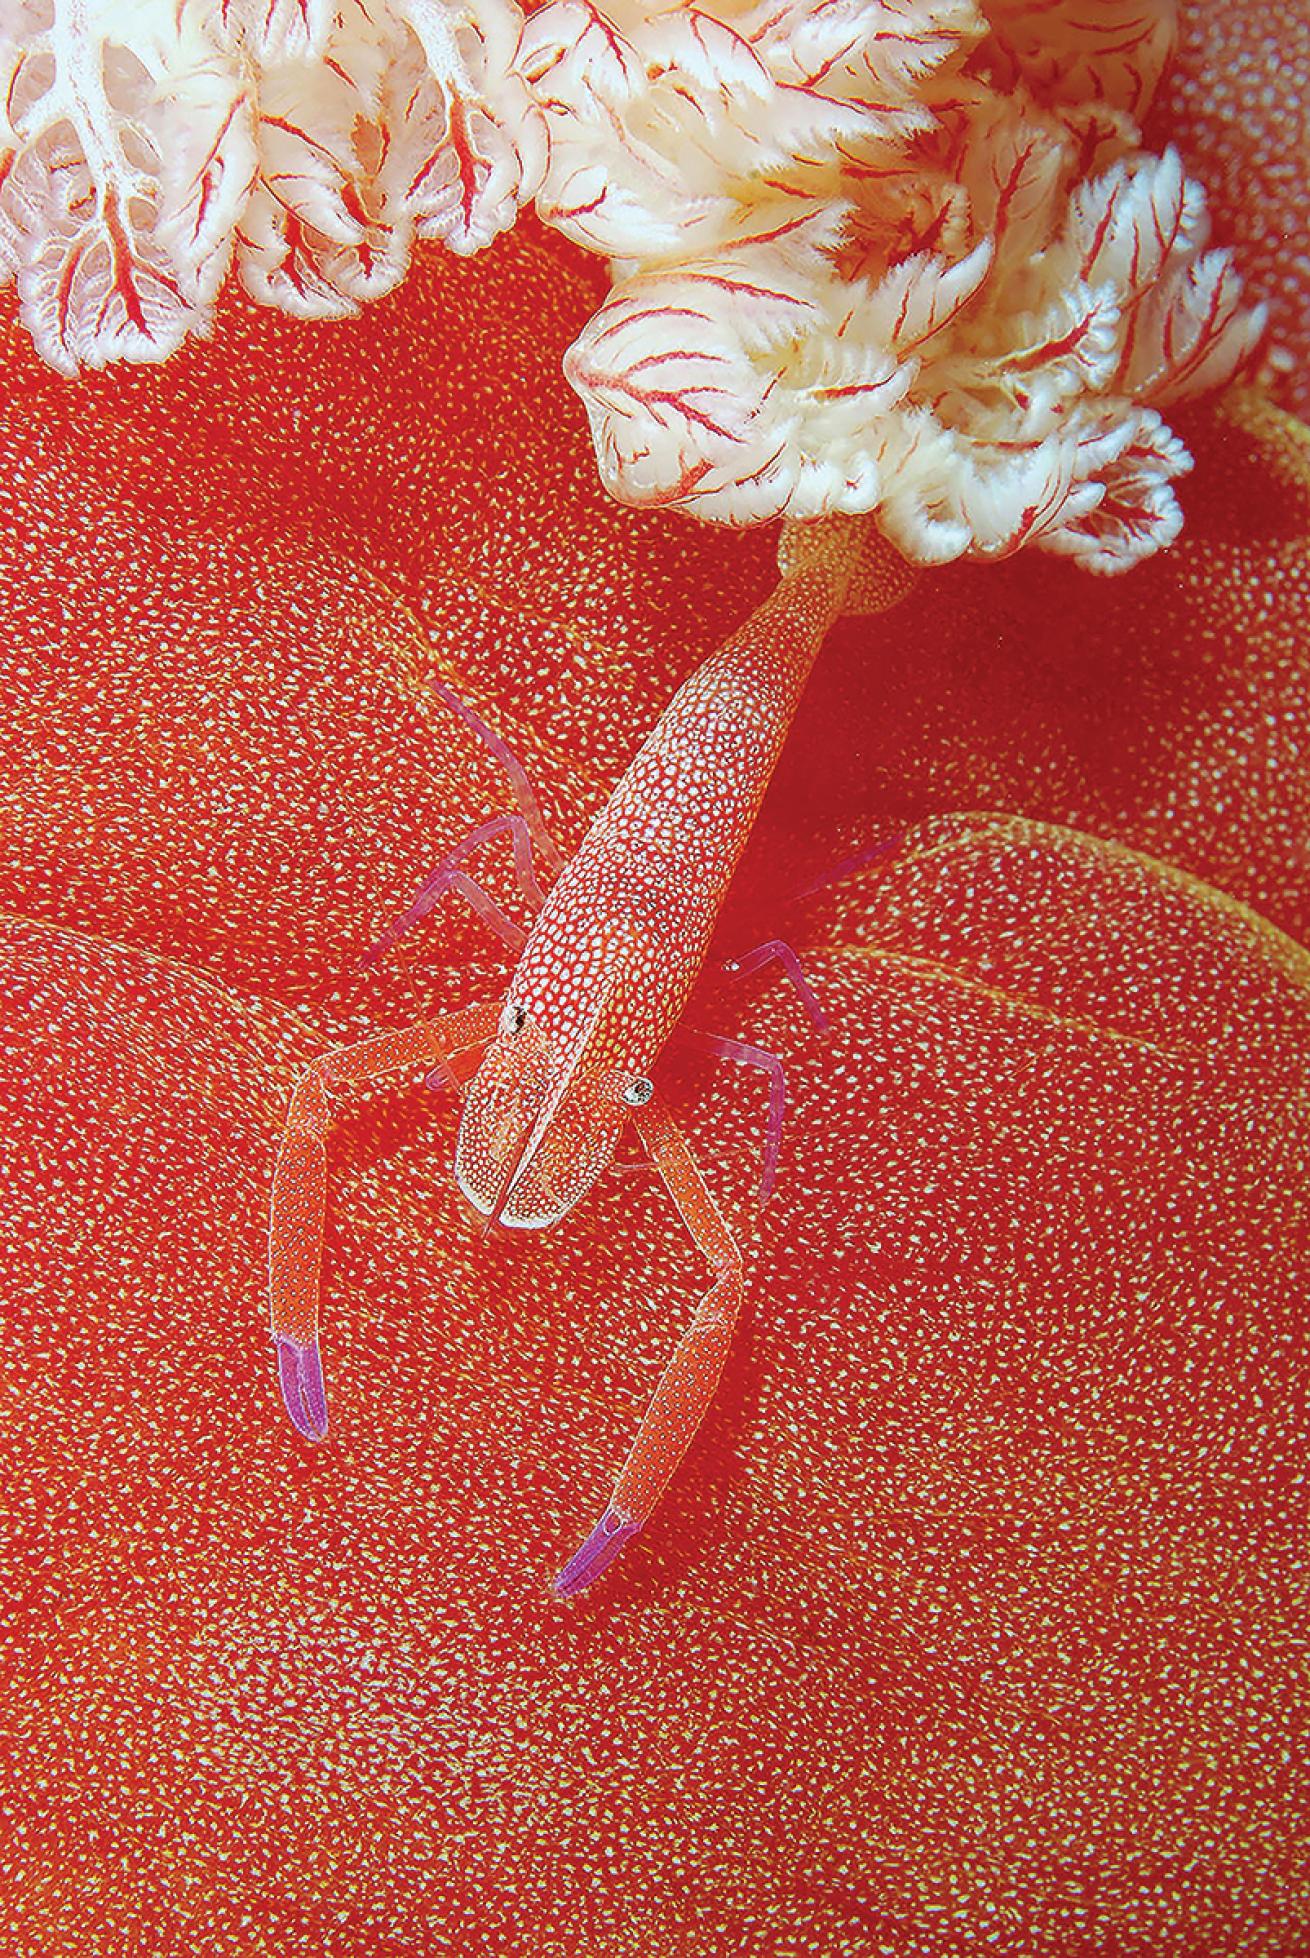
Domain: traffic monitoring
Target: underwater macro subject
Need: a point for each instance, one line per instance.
(654, 801)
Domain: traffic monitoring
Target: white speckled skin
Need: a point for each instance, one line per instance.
(615, 952)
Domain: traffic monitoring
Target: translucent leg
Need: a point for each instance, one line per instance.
(448, 876)
(691, 1377)
(300, 1192)
(870, 854)
(777, 948)
(529, 807)
(737, 1050)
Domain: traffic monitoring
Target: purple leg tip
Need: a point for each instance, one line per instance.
(613, 1533)
(300, 1376)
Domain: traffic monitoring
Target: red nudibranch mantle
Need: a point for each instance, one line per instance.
(895, 256)
(979, 1620)
(976, 1619)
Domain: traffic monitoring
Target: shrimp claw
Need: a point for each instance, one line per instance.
(300, 1376)
(688, 1383)
(612, 1534)
(300, 1192)
(552, 1074)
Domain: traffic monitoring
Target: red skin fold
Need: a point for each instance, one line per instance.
(974, 1611)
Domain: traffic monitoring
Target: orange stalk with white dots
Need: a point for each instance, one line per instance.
(599, 987)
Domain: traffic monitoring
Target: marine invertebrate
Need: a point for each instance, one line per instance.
(909, 259)
(561, 1067)
(145, 144)
(1235, 102)
(989, 1550)
(223, 1663)
(906, 257)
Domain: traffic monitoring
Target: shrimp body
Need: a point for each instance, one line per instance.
(601, 983)
(620, 942)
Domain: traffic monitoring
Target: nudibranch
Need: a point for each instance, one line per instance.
(928, 271)
(904, 257)
(1235, 99)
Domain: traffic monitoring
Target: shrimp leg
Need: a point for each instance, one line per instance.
(691, 1377)
(300, 1191)
(724, 1049)
(779, 950)
(526, 829)
(521, 787)
(448, 876)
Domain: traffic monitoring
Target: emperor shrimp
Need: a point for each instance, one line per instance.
(601, 981)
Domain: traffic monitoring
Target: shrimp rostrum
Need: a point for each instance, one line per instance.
(600, 984)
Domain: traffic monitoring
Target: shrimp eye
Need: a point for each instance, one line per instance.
(513, 1019)
(638, 1091)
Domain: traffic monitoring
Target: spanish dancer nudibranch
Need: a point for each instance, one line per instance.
(975, 1619)
(907, 257)
(899, 265)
